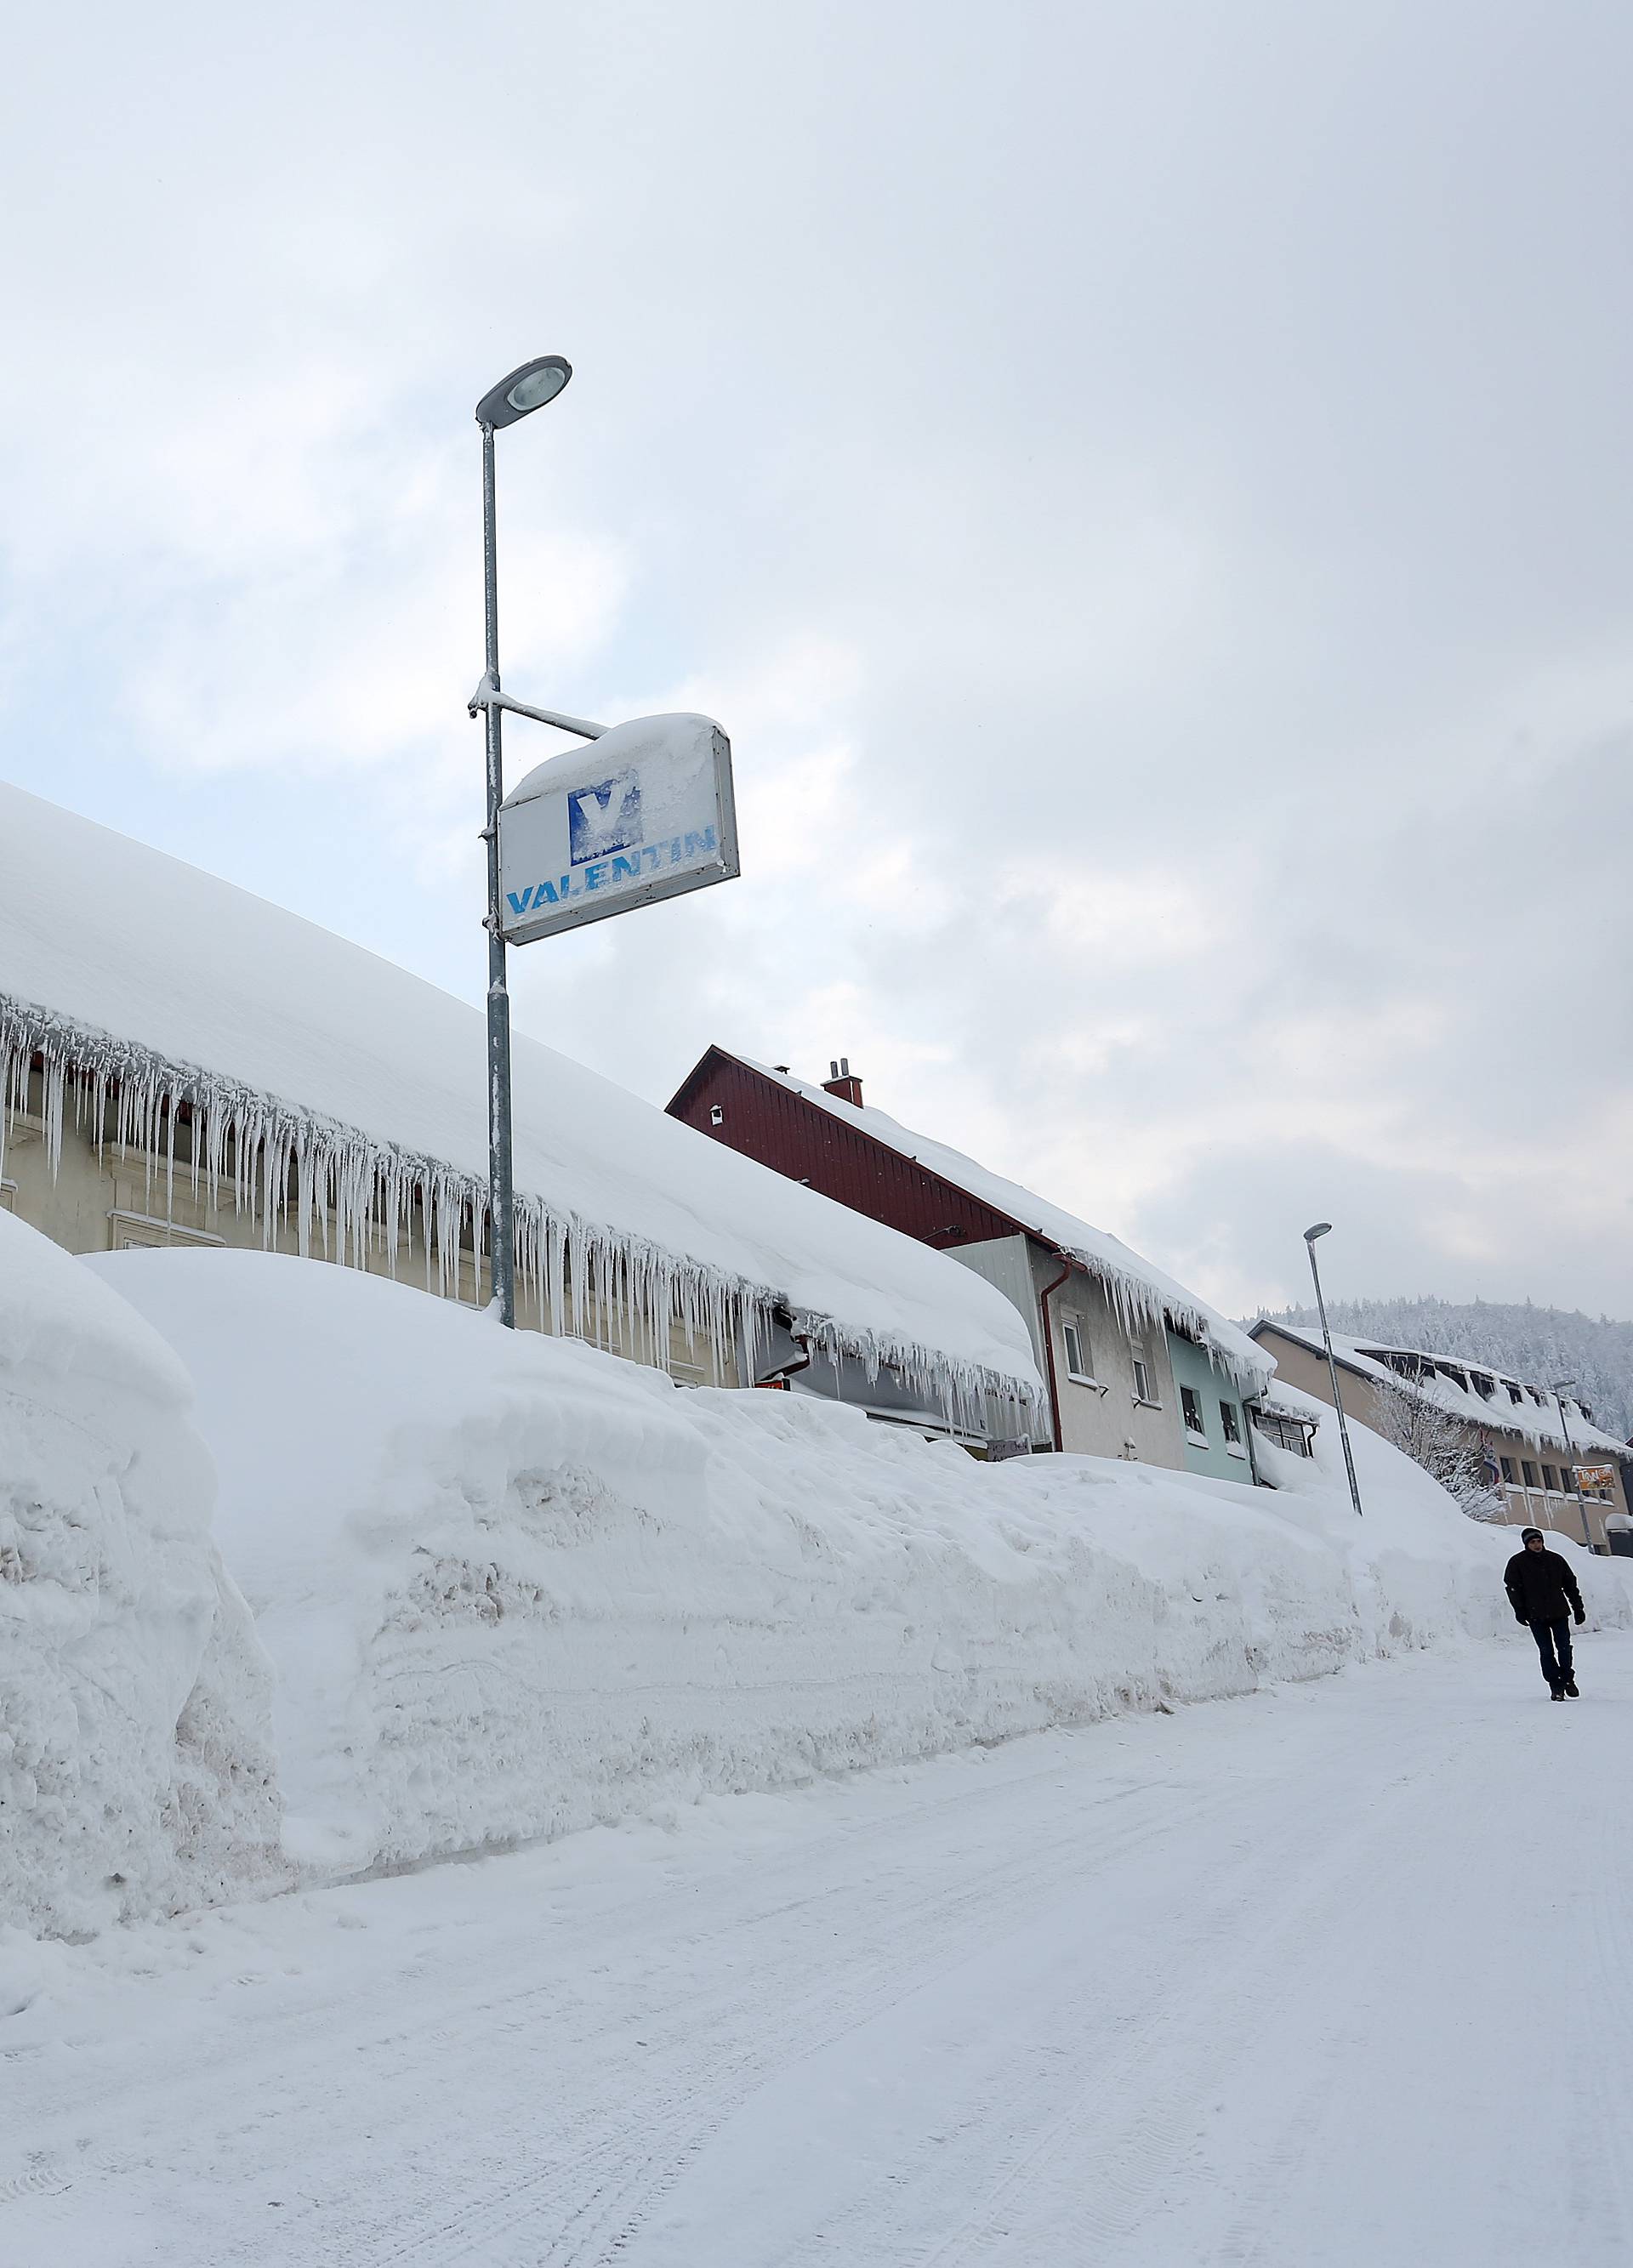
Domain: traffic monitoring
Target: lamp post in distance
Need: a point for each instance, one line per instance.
(1324, 1229)
(515, 397)
(1557, 1390)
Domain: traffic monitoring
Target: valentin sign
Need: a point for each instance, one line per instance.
(643, 813)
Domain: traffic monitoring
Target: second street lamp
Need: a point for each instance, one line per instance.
(1557, 1390)
(524, 390)
(1324, 1229)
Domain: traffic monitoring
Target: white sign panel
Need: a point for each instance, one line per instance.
(643, 813)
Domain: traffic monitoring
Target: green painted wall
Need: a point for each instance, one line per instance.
(1211, 1387)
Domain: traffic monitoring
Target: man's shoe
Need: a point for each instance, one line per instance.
(1570, 1688)
(1555, 1692)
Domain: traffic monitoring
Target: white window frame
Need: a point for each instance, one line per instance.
(1197, 1434)
(160, 1234)
(1239, 1446)
(1142, 1395)
(1072, 1331)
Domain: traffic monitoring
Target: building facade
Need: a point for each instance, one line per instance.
(1125, 1352)
(182, 1064)
(1547, 1469)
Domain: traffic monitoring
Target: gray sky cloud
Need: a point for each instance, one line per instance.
(1146, 490)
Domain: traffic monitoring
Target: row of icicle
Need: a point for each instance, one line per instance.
(351, 1197)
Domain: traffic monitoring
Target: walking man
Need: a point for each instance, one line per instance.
(1542, 1591)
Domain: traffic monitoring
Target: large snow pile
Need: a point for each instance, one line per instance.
(135, 1770)
(513, 1586)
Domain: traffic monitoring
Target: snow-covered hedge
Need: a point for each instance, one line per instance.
(135, 1773)
(512, 1586)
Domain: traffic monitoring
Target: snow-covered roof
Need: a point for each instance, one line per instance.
(1138, 1288)
(1537, 1421)
(132, 971)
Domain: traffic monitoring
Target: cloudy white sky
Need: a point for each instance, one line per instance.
(1145, 486)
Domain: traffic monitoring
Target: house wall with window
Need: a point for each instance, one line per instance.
(1110, 1373)
(1212, 1419)
(1113, 1383)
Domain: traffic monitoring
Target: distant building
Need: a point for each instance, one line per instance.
(182, 1064)
(1515, 1424)
(1136, 1365)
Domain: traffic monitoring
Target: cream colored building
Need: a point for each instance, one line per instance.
(182, 1064)
(1516, 1423)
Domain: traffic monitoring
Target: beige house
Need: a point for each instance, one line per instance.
(1537, 1458)
(1137, 1366)
(182, 1064)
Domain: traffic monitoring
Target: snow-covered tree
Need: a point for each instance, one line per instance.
(1438, 1442)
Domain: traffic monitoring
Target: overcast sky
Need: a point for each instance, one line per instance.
(1145, 488)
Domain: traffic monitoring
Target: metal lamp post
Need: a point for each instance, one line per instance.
(1322, 1228)
(1557, 1390)
(514, 397)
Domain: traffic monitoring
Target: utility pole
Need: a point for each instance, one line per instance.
(1322, 1228)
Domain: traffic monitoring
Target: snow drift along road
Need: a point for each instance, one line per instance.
(135, 1770)
(513, 1586)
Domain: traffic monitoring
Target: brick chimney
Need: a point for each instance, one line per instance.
(840, 1081)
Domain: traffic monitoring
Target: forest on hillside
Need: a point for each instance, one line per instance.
(1538, 1345)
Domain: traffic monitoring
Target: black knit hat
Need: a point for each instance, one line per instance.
(1526, 1534)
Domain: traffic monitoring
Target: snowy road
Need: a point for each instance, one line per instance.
(1338, 1975)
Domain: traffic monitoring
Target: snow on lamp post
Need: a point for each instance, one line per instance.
(646, 813)
(1557, 1390)
(1323, 1228)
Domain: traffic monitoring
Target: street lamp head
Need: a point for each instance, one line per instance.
(1321, 1228)
(526, 389)
(1559, 1384)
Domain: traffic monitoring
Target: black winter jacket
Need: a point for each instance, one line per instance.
(1542, 1586)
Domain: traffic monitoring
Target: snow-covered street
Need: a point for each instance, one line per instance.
(1336, 1976)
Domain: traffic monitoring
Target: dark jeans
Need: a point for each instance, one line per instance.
(1554, 1638)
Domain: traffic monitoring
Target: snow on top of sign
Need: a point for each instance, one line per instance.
(1143, 1290)
(363, 1088)
(1539, 1422)
(680, 736)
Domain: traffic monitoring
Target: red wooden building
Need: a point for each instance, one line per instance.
(1112, 1334)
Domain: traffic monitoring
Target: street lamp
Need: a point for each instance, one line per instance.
(1324, 1229)
(1557, 1390)
(514, 397)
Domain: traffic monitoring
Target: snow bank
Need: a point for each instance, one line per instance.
(135, 1772)
(513, 1587)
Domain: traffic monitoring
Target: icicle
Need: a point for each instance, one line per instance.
(583, 1280)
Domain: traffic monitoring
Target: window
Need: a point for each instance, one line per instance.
(1450, 1370)
(1077, 1362)
(1142, 1382)
(1529, 1470)
(1231, 1423)
(8, 1196)
(1550, 1479)
(1481, 1386)
(717, 1117)
(1191, 1411)
(1509, 1473)
(140, 1231)
(1514, 1394)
